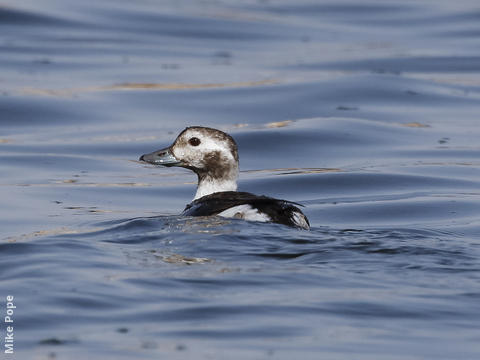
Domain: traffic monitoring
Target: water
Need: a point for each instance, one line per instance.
(365, 112)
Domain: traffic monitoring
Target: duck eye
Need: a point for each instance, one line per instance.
(194, 141)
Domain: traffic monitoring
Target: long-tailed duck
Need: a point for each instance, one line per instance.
(213, 156)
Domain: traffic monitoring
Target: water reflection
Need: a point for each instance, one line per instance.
(141, 86)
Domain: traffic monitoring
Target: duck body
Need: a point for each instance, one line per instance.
(247, 206)
(213, 156)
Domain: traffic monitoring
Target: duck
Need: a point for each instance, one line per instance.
(213, 156)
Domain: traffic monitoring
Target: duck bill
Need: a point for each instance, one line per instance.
(163, 157)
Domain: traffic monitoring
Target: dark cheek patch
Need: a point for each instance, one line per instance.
(216, 165)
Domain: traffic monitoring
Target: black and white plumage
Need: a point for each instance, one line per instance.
(213, 156)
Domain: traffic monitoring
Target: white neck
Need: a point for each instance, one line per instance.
(219, 174)
(209, 186)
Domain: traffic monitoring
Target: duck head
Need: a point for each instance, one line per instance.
(210, 153)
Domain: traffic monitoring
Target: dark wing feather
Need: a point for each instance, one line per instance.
(280, 211)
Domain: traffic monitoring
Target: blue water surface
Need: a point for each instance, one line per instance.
(365, 112)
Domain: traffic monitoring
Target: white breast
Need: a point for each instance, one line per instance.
(245, 212)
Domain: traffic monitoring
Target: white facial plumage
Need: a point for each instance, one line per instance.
(212, 155)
